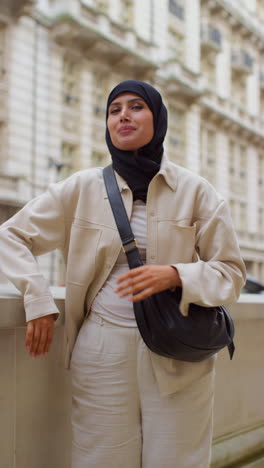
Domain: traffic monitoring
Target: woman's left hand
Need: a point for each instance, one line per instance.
(146, 280)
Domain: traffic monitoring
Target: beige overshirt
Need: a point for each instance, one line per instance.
(188, 225)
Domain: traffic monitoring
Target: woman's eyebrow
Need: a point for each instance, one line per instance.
(116, 103)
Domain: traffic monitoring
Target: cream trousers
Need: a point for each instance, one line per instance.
(119, 417)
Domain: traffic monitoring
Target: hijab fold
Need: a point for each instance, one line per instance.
(139, 169)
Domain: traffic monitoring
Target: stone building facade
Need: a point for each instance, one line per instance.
(59, 59)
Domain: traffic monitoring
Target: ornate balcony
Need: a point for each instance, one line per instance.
(241, 61)
(99, 37)
(180, 81)
(211, 38)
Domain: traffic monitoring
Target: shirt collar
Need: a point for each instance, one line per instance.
(167, 170)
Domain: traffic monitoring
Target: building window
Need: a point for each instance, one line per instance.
(176, 32)
(176, 135)
(261, 220)
(71, 97)
(239, 214)
(242, 65)
(2, 51)
(238, 168)
(127, 13)
(241, 61)
(211, 37)
(239, 92)
(176, 8)
(238, 184)
(1, 143)
(208, 154)
(261, 96)
(3, 92)
(243, 169)
(100, 93)
(176, 45)
(69, 159)
(261, 193)
(243, 216)
(100, 159)
(102, 5)
(208, 69)
(71, 80)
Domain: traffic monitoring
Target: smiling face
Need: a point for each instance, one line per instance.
(130, 122)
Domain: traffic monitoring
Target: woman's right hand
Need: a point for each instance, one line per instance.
(39, 335)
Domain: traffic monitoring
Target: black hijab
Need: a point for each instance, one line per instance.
(138, 170)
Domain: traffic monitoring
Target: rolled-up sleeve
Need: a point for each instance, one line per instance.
(36, 229)
(219, 274)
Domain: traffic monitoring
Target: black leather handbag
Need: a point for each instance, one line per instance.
(196, 337)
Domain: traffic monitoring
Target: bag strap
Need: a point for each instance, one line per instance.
(129, 243)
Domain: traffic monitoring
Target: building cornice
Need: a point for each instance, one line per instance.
(68, 30)
(179, 80)
(223, 116)
(239, 18)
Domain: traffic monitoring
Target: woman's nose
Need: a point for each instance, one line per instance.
(124, 114)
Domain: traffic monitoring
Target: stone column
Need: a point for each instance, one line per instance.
(192, 38)
(253, 91)
(142, 19)
(21, 98)
(86, 117)
(252, 193)
(55, 107)
(114, 9)
(223, 70)
(160, 28)
(193, 138)
(222, 159)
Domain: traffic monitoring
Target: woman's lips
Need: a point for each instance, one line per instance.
(126, 130)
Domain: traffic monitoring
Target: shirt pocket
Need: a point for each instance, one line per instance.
(83, 247)
(175, 243)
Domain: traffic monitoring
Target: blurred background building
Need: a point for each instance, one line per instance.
(60, 58)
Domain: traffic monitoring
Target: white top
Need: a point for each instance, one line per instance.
(107, 303)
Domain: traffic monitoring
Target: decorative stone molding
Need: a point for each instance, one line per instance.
(96, 34)
(238, 19)
(228, 116)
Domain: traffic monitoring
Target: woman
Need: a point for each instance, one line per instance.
(131, 407)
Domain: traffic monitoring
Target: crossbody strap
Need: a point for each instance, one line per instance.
(128, 240)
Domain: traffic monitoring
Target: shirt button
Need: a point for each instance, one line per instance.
(152, 213)
(152, 257)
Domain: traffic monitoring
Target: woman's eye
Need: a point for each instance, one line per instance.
(114, 111)
(137, 107)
